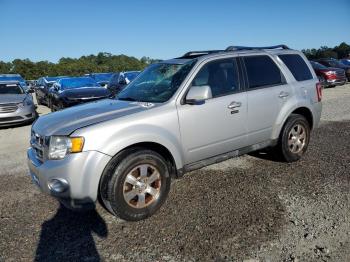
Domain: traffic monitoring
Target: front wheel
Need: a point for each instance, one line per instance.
(136, 184)
(294, 138)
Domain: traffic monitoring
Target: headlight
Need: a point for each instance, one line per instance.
(60, 146)
(26, 102)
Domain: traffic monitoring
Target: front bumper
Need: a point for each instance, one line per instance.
(81, 171)
(21, 115)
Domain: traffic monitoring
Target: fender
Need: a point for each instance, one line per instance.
(286, 111)
(114, 142)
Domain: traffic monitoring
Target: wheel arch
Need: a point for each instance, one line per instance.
(300, 110)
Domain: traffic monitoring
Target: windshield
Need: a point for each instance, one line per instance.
(77, 82)
(10, 89)
(316, 65)
(131, 75)
(12, 78)
(345, 62)
(53, 78)
(103, 77)
(157, 83)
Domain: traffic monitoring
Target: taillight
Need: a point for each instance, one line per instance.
(319, 91)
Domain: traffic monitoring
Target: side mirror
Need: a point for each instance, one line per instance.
(198, 94)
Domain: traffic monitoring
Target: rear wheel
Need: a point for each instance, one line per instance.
(135, 184)
(294, 138)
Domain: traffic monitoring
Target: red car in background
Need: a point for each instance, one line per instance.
(329, 76)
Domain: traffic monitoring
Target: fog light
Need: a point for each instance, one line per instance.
(58, 185)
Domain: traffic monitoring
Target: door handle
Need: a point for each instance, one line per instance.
(234, 104)
(283, 94)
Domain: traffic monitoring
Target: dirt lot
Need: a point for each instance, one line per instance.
(248, 208)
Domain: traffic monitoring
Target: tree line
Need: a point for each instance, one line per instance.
(337, 52)
(106, 62)
(102, 62)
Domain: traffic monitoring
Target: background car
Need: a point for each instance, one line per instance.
(101, 78)
(42, 87)
(67, 92)
(16, 104)
(120, 80)
(14, 77)
(331, 62)
(345, 61)
(329, 76)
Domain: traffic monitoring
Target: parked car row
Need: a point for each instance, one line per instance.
(332, 72)
(63, 91)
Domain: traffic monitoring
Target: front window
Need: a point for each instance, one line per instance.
(104, 77)
(78, 82)
(318, 66)
(131, 75)
(10, 89)
(157, 83)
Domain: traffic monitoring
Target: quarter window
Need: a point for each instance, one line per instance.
(297, 66)
(220, 75)
(262, 71)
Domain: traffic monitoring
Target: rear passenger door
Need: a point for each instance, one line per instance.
(267, 91)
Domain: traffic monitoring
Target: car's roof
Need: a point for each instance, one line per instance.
(202, 55)
(9, 82)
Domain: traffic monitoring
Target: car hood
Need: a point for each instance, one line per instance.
(86, 92)
(5, 99)
(68, 120)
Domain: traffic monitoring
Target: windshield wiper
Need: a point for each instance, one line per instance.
(127, 99)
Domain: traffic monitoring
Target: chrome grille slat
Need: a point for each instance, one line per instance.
(8, 108)
(38, 144)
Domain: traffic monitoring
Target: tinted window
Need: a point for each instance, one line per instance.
(317, 66)
(262, 71)
(297, 67)
(220, 75)
(77, 82)
(157, 83)
(10, 89)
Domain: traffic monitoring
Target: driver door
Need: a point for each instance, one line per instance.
(217, 125)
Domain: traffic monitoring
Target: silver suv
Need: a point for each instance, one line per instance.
(176, 116)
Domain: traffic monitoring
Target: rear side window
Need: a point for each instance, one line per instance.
(297, 67)
(262, 71)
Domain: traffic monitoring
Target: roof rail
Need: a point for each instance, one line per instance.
(237, 48)
(199, 53)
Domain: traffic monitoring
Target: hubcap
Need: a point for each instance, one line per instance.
(142, 186)
(297, 139)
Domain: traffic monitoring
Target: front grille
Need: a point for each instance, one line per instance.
(38, 144)
(8, 108)
(7, 119)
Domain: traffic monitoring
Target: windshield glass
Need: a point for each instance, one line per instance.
(345, 62)
(77, 82)
(131, 75)
(53, 78)
(12, 78)
(103, 77)
(316, 65)
(157, 83)
(10, 89)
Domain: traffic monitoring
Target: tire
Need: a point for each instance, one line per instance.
(39, 101)
(294, 139)
(128, 181)
(51, 106)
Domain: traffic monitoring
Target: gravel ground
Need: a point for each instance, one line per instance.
(245, 209)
